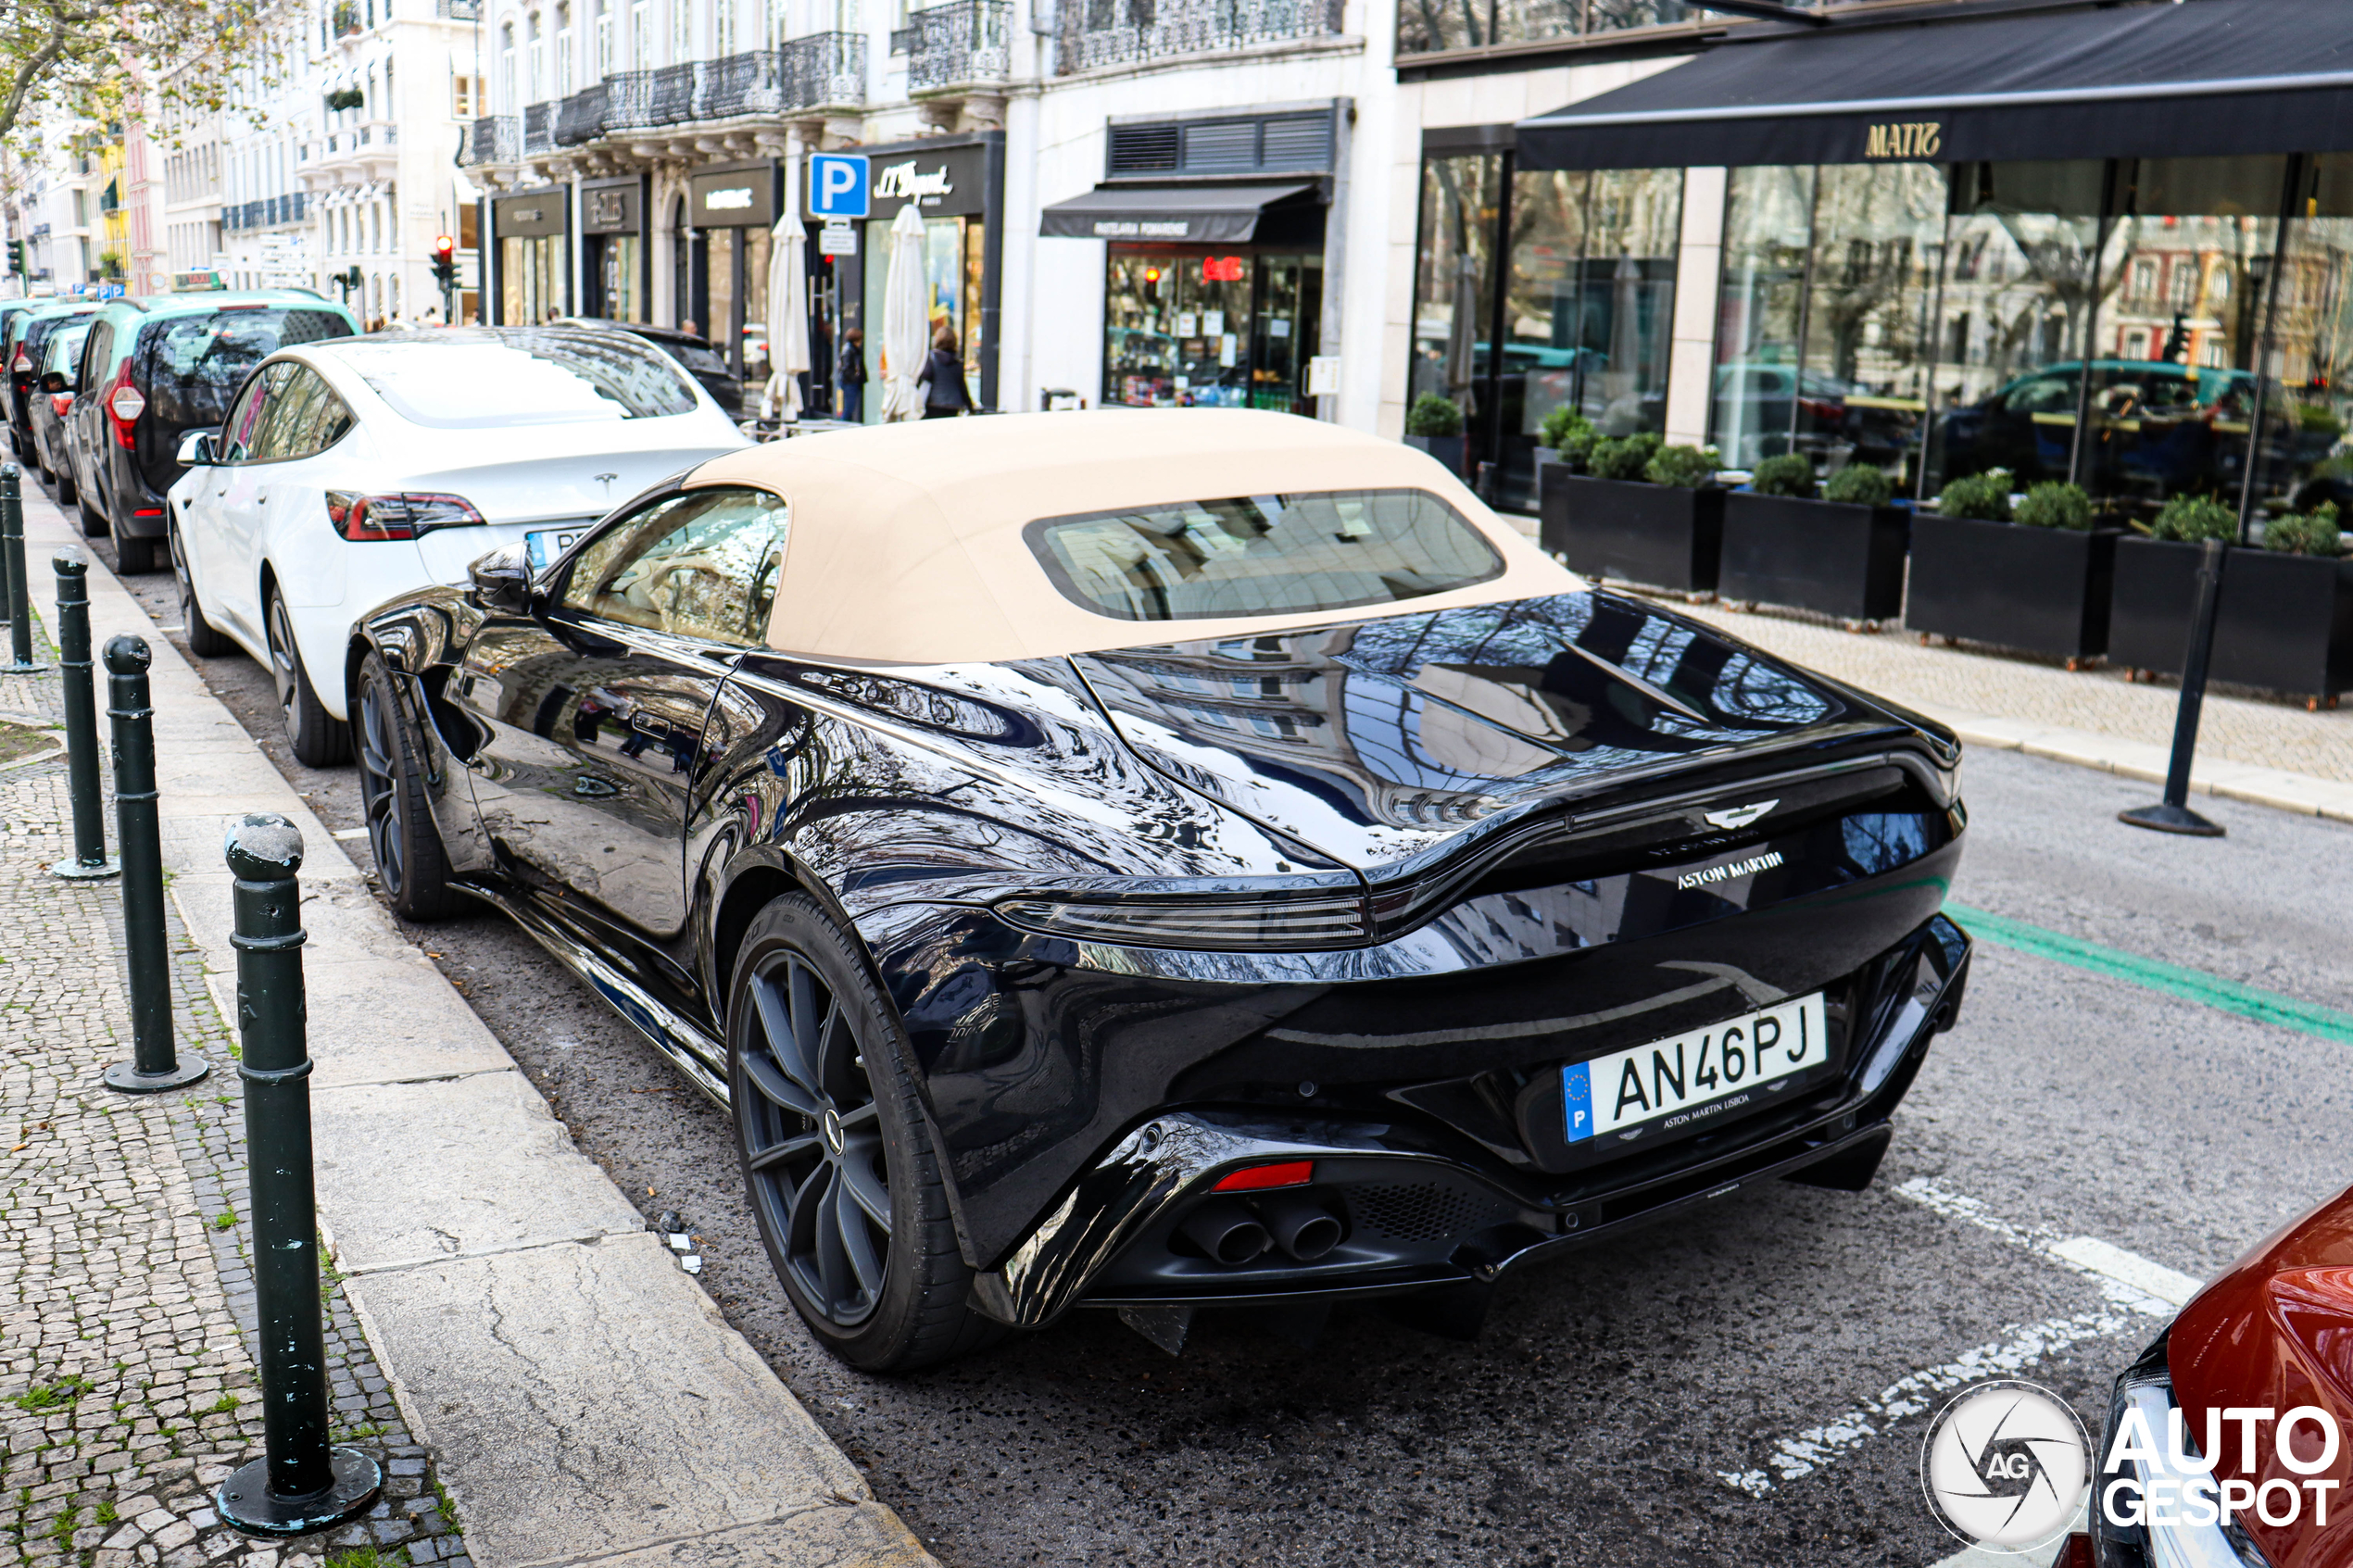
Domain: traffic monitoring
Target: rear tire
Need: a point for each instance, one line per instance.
(838, 1160)
(135, 558)
(93, 522)
(411, 863)
(61, 480)
(205, 639)
(317, 738)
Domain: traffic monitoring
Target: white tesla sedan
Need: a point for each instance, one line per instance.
(353, 470)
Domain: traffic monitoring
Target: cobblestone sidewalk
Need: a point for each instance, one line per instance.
(127, 1382)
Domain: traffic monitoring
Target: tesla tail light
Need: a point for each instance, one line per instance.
(59, 402)
(405, 515)
(1265, 1178)
(1322, 920)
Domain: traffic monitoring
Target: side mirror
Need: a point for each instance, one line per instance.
(196, 449)
(502, 580)
(54, 381)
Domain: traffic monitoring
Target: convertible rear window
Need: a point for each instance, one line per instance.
(1263, 554)
(455, 379)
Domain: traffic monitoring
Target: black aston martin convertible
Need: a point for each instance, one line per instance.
(1169, 860)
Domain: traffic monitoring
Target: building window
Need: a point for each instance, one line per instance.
(465, 98)
(682, 32)
(641, 34)
(723, 29)
(563, 52)
(2145, 281)
(1427, 25)
(604, 39)
(511, 100)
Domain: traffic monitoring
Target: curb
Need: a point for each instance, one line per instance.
(2274, 787)
(584, 1398)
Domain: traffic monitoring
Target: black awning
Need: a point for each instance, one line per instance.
(1177, 214)
(2208, 77)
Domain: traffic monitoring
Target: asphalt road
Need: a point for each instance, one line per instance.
(1613, 1393)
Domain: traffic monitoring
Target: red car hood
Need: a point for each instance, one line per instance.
(2275, 1331)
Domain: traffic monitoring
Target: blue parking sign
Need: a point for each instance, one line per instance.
(837, 185)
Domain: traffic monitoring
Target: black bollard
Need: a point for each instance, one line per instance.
(89, 862)
(20, 591)
(2173, 814)
(153, 1066)
(300, 1485)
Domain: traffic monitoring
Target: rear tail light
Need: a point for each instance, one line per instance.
(370, 519)
(126, 403)
(59, 402)
(1319, 920)
(1263, 1178)
(23, 365)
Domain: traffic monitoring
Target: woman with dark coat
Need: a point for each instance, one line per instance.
(942, 378)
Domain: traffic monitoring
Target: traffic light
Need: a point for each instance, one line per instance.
(16, 255)
(444, 262)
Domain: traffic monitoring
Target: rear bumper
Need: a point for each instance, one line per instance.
(1418, 1219)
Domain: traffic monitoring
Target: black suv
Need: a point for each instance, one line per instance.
(24, 340)
(157, 367)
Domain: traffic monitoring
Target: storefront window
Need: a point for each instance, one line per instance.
(1879, 241)
(1175, 326)
(1623, 312)
(2314, 340)
(2175, 417)
(1454, 277)
(1768, 217)
(2020, 281)
(531, 278)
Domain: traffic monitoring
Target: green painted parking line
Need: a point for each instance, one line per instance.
(2190, 985)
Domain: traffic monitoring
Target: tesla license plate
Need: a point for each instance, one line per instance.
(545, 545)
(1668, 1085)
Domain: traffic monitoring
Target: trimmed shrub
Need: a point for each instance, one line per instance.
(1792, 473)
(1623, 457)
(2305, 534)
(1568, 432)
(2054, 505)
(1433, 415)
(2191, 518)
(1686, 468)
(1859, 484)
(1985, 497)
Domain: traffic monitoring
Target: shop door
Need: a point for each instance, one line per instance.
(1283, 330)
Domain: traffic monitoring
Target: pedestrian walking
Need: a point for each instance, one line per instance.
(942, 378)
(851, 375)
(691, 327)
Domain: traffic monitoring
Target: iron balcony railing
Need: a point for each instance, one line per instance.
(964, 41)
(457, 10)
(266, 213)
(538, 129)
(496, 138)
(823, 69)
(1107, 33)
(580, 117)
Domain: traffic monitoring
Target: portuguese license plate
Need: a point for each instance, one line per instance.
(546, 545)
(1670, 1083)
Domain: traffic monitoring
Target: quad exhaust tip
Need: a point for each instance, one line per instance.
(1229, 1233)
(1301, 1226)
(1226, 1230)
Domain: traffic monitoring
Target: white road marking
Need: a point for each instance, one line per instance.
(348, 834)
(2134, 1287)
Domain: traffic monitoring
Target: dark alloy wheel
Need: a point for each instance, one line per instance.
(411, 863)
(317, 738)
(205, 639)
(841, 1175)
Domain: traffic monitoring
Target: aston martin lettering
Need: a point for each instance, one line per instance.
(1740, 816)
(1709, 876)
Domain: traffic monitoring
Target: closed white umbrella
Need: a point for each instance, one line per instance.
(787, 314)
(906, 318)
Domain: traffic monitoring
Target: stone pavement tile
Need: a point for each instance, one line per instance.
(842, 1536)
(420, 1173)
(2236, 728)
(587, 1399)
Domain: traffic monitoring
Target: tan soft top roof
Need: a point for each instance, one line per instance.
(906, 540)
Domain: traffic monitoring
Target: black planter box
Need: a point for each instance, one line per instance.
(2043, 590)
(1447, 449)
(1662, 535)
(2285, 624)
(1824, 556)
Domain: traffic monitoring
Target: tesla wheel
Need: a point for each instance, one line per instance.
(205, 639)
(401, 834)
(317, 738)
(842, 1176)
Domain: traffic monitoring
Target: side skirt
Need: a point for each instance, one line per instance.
(688, 1047)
